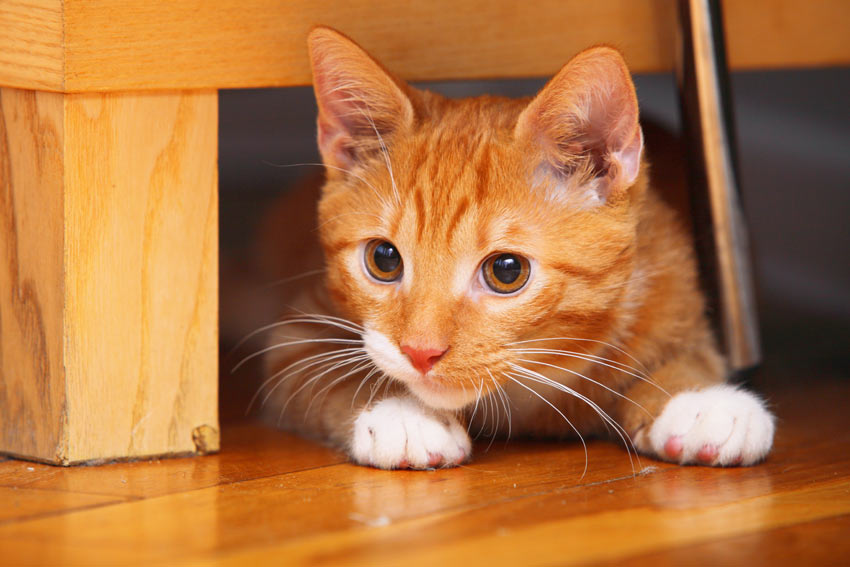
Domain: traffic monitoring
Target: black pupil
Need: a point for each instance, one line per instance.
(386, 257)
(507, 268)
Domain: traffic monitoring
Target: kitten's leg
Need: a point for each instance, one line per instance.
(703, 421)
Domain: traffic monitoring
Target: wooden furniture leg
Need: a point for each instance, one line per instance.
(108, 274)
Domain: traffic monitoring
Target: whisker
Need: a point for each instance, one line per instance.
(475, 409)
(611, 363)
(514, 378)
(618, 429)
(294, 343)
(371, 373)
(303, 318)
(294, 278)
(610, 345)
(310, 361)
(330, 319)
(503, 395)
(314, 379)
(574, 373)
(365, 363)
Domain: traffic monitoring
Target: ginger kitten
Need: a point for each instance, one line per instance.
(502, 266)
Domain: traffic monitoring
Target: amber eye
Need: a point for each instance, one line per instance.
(383, 262)
(506, 273)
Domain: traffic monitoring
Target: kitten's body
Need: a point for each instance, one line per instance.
(611, 315)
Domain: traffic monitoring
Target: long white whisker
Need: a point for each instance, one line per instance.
(294, 278)
(331, 320)
(615, 347)
(293, 343)
(602, 361)
(600, 384)
(384, 152)
(365, 362)
(295, 320)
(515, 379)
(615, 364)
(309, 362)
(618, 429)
(503, 396)
(475, 409)
(371, 373)
(314, 379)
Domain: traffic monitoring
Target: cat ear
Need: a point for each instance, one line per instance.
(360, 103)
(585, 124)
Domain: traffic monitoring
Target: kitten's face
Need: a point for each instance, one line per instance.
(452, 232)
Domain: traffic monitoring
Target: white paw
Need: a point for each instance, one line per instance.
(719, 426)
(398, 433)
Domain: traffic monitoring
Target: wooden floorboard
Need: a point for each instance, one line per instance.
(820, 542)
(24, 503)
(249, 451)
(269, 497)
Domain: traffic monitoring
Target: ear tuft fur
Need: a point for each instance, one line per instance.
(584, 123)
(360, 103)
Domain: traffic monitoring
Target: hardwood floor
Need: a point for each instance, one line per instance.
(271, 498)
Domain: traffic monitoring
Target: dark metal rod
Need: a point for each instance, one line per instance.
(721, 233)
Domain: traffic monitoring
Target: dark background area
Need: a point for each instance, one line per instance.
(794, 157)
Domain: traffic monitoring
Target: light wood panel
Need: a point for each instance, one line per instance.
(141, 265)
(31, 44)
(32, 290)
(110, 272)
(109, 45)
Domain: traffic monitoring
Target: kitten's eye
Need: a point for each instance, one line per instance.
(383, 262)
(506, 273)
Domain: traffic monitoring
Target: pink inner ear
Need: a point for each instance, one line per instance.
(585, 121)
(359, 102)
(628, 159)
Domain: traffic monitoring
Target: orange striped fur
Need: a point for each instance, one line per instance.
(450, 183)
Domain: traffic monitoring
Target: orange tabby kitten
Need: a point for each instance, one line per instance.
(498, 265)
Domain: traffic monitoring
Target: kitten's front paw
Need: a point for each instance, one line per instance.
(718, 426)
(397, 433)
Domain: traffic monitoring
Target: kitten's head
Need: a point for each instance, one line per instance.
(454, 229)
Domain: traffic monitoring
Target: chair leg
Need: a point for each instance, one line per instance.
(721, 232)
(108, 274)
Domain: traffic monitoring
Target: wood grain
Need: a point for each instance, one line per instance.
(32, 375)
(31, 44)
(522, 503)
(141, 268)
(109, 45)
(820, 542)
(26, 504)
(109, 273)
(249, 452)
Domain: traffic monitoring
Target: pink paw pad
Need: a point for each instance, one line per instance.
(707, 454)
(434, 459)
(673, 447)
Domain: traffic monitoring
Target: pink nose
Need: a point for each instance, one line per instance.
(423, 358)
